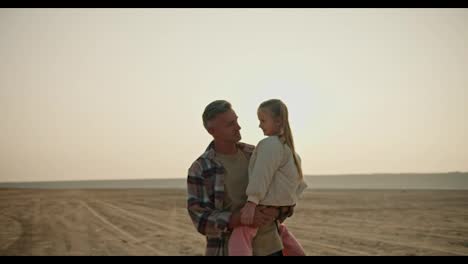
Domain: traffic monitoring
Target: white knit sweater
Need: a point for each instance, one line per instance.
(273, 176)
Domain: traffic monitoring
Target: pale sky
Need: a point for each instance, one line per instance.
(119, 93)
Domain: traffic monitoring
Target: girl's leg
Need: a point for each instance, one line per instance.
(291, 247)
(240, 242)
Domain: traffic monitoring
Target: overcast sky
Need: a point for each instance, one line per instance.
(119, 93)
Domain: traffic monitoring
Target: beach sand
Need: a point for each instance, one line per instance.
(156, 222)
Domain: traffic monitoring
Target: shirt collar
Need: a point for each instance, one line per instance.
(210, 151)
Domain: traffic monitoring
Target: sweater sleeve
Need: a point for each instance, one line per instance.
(300, 189)
(268, 160)
(302, 185)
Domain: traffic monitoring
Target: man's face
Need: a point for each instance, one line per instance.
(224, 127)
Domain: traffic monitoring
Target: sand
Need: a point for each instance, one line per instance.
(155, 222)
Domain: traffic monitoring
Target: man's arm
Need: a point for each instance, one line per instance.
(207, 220)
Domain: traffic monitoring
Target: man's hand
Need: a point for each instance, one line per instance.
(247, 213)
(264, 216)
(235, 220)
(291, 210)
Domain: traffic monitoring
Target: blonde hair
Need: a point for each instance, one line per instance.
(279, 110)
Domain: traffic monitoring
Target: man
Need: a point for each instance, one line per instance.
(216, 185)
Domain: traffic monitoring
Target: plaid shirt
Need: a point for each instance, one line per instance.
(205, 187)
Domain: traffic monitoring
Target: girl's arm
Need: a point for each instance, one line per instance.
(268, 159)
(269, 153)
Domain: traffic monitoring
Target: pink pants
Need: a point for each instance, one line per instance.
(240, 242)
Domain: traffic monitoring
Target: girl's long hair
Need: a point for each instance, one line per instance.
(279, 110)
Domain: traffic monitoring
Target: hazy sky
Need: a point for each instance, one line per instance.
(119, 93)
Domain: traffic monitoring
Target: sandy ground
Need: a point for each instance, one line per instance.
(155, 222)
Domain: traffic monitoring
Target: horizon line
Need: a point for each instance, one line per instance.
(181, 178)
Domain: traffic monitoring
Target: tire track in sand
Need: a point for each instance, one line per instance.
(160, 225)
(121, 231)
(379, 238)
(144, 218)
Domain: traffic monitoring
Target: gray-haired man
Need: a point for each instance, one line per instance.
(216, 185)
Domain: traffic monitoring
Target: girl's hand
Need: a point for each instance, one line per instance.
(248, 213)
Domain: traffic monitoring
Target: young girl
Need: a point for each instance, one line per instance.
(275, 179)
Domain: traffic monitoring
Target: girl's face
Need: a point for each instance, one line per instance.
(270, 126)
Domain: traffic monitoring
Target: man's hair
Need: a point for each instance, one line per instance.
(213, 109)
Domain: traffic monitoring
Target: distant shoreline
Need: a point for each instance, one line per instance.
(307, 175)
(378, 181)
